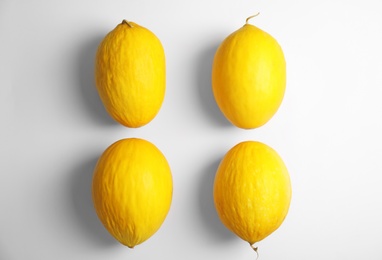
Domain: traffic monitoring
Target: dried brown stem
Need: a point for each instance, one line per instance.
(126, 22)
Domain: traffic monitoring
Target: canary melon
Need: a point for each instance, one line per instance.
(249, 77)
(252, 191)
(132, 190)
(130, 74)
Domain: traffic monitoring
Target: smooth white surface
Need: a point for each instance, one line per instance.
(54, 127)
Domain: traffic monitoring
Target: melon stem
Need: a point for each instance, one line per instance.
(255, 248)
(126, 22)
(252, 16)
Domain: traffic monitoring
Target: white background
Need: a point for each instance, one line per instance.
(327, 130)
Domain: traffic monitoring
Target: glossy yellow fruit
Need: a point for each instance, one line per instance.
(252, 191)
(249, 77)
(132, 190)
(130, 74)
